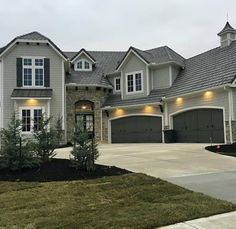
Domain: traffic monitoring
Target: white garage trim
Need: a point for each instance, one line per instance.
(130, 115)
(196, 108)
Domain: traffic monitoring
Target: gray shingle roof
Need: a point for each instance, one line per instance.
(106, 63)
(32, 93)
(158, 55)
(210, 69)
(213, 68)
(227, 29)
(116, 101)
(33, 36)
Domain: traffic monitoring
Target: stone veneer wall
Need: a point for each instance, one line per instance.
(96, 96)
(234, 130)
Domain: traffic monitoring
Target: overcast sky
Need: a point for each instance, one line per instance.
(187, 26)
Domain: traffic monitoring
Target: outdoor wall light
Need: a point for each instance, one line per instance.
(208, 95)
(179, 101)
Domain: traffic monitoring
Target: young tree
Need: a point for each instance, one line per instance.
(16, 152)
(85, 151)
(47, 138)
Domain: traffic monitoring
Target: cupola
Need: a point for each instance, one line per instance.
(227, 35)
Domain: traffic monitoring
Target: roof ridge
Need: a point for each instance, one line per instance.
(167, 51)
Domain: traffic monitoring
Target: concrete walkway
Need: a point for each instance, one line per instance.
(223, 221)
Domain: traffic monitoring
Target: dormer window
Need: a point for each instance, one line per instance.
(83, 65)
(80, 65)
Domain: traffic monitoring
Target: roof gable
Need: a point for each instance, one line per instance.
(136, 52)
(35, 37)
(83, 51)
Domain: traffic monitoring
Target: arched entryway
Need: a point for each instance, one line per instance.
(84, 114)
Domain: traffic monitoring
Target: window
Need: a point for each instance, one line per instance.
(37, 118)
(86, 65)
(26, 122)
(33, 72)
(117, 84)
(31, 118)
(80, 65)
(83, 65)
(134, 82)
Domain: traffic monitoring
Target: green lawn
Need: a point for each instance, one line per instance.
(128, 201)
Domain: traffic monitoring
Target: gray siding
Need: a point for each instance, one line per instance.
(56, 69)
(111, 79)
(175, 72)
(161, 78)
(133, 64)
(218, 99)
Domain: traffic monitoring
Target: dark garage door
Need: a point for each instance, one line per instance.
(201, 125)
(136, 129)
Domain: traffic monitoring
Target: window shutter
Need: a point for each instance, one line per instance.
(19, 72)
(47, 72)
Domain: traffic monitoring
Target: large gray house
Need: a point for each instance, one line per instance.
(122, 97)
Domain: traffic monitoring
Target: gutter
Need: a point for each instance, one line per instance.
(87, 85)
(195, 92)
(134, 105)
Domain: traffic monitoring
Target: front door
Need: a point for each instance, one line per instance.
(87, 120)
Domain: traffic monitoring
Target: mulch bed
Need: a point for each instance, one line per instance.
(228, 149)
(59, 170)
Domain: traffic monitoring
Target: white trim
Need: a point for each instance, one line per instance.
(130, 115)
(63, 96)
(148, 80)
(115, 78)
(122, 84)
(166, 114)
(34, 41)
(230, 102)
(79, 54)
(1, 94)
(20, 108)
(170, 75)
(83, 69)
(133, 105)
(134, 82)
(196, 108)
(127, 55)
(25, 98)
(195, 92)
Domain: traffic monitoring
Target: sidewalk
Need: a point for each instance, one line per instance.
(223, 221)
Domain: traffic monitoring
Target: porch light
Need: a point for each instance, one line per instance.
(148, 109)
(208, 95)
(32, 102)
(179, 101)
(119, 112)
(83, 107)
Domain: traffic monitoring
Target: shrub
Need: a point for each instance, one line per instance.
(47, 139)
(85, 151)
(16, 152)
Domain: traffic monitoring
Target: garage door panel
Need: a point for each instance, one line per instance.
(136, 129)
(200, 126)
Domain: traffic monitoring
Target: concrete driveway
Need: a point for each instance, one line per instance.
(188, 165)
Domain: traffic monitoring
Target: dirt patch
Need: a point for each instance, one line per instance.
(228, 149)
(59, 170)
